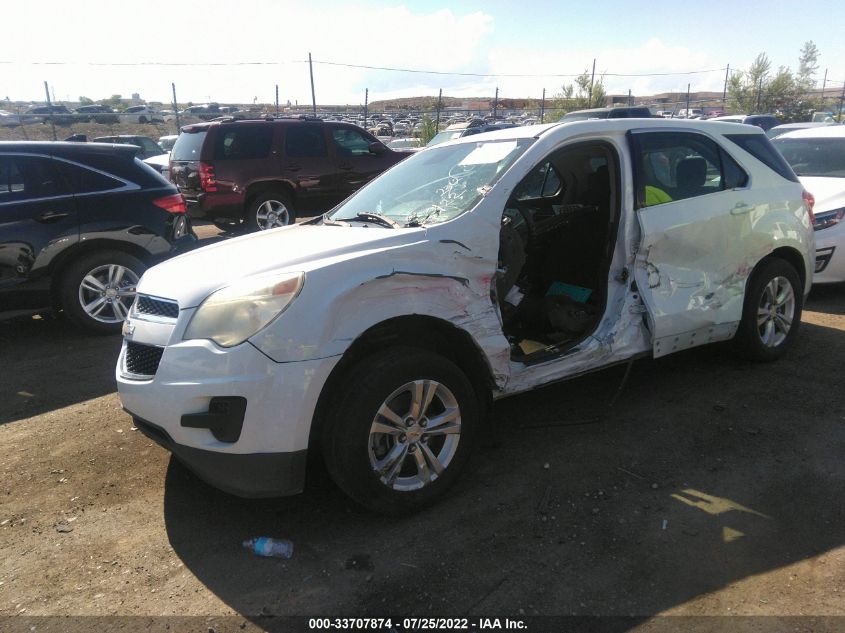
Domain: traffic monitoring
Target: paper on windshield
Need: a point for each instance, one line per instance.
(488, 153)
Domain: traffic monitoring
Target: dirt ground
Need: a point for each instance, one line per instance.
(712, 487)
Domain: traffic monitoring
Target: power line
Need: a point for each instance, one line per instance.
(362, 66)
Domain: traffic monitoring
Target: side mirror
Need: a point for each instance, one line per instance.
(378, 148)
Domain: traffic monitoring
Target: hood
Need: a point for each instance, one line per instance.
(828, 192)
(190, 278)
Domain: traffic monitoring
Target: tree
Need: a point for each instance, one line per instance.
(85, 101)
(757, 90)
(427, 129)
(577, 96)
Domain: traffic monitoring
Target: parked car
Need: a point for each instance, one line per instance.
(263, 173)
(460, 130)
(161, 163)
(141, 114)
(381, 332)
(167, 142)
(79, 224)
(407, 144)
(58, 114)
(691, 113)
(9, 119)
(791, 127)
(147, 147)
(763, 121)
(96, 113)
(817, 155)
(626, 112)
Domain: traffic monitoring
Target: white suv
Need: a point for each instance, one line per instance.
(381, 333)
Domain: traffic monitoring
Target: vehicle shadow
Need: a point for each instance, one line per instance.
(829, 298)
(705, 473)
(82, 365)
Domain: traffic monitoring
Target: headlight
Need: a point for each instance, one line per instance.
(234, 313)
(826, 219)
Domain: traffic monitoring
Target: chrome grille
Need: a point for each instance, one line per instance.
(142, 360)
(167, 308)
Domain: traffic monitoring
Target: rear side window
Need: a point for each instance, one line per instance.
(82, 180)
(761, 148)
(28, 178)
(677, 165)
(303, 141)
(188, 146)
(243, 142)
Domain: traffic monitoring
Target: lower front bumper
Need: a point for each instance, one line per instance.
(249, 475)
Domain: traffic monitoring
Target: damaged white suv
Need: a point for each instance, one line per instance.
(381, 333)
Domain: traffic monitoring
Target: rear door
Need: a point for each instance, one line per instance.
(694, 210)
(307, 164)
(38, 219)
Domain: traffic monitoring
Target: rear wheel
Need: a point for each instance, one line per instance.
(404, 424)
(97, 290)
(142, 119)
(772, 311)
(270, 210)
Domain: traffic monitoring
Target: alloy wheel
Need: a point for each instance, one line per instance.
(271, 214)
(107, 292)
(776, 312)
(414, 435)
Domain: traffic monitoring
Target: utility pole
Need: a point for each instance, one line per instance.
(543, 105)
(175, 106)
(277, 99)
(50, 108)
(630, 100)
(725, 89)
(688, 100)
(313, 97)
(759, 93)
(366, 103)
(824, 85)
(439, 105)
(841, 99)
(592, 79)
(495, 103)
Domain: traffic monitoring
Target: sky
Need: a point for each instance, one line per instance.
(237, 51)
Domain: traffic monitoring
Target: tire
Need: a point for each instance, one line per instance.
(771, 314)
(97, 290)
(388, 463)
(269, 210)
(142, 119)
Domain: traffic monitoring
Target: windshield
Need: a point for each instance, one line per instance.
(821, 157)
(435, 185)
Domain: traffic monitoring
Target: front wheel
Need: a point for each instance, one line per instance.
(269, 211)
(771, 312)
(404, 424)
(97, 291)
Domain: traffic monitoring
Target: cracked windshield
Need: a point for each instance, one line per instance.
(433, 186)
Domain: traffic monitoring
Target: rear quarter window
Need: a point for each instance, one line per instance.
(761, 148)
(188, 146)
(243, 142)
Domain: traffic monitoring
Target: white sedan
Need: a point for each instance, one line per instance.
(817, 155)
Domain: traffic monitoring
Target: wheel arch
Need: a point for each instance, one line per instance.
(792, 257)
(62, 261)
(424, 332)
(255, 189)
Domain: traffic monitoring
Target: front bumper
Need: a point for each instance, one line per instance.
(267, 457)
(254, 475)
(830, 260)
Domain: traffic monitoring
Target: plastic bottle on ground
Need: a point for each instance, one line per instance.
(271, 547)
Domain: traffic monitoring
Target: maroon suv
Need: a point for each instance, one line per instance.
(262, 173)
